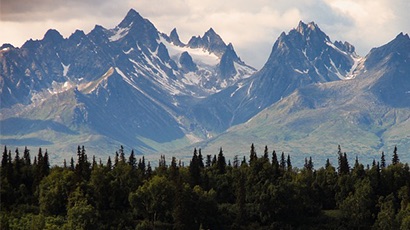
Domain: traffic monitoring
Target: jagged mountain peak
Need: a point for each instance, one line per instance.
(210, 33)
(345, 46)
(302, 27)
(174, 38)
(213, 37)
(52, 35)
(77, 35)
(210, 41)
(403, 36)
(400, 45)
(98, 29)
(6, 46)
(310, 32)
(131, 17)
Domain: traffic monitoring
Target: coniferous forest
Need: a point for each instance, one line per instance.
(262, 191)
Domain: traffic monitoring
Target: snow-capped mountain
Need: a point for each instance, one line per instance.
(135, 86)
(129, 85)
(302, 57)
(366, 115)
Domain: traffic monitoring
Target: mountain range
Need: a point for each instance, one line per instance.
(135, 86)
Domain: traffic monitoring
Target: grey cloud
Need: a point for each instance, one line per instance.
(57, 10)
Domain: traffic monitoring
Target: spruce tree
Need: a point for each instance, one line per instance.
(116, 159)
(109, 163)
(26, 155)
(149, 170)
(266, 153)
(275, 162)
(395, 159)
(200, 159)
(122, 154)
(290, 164)
(244, 161)
(344, 167)
(282, 161)
(235, 161)
(253, 157)
(6, 166)
(221, 163)
(208, 161)
(94, 164)
(328, 164)
(173, 170)
(309, 164)
(72, 164)
(383, 161)
(39, 167)
(132, 161)
(194, 170)
(141, 165)
(214, 160)
(4, 159)
(46, 164)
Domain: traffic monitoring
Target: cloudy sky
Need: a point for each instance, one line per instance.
(252, 26)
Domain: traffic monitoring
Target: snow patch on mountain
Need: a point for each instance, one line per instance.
(119, 33)
(65, 69)
(199, 55)
(357, 67)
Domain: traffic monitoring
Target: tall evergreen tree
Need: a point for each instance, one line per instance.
(6, 166)
(82, 168)
(132, 161)
(4, 159)
(116, 159)
(252, 157)
(395, 159)
(208, 161)
(173, 170)
(344, 167)
(214, 160)
(149, 170)
(383, 161)
(195, 170)
(46, 164)
(221, 163)
(122, 154)
(309, 164)
(328, 164)
(200, 159)
(289, 164)
(244, 161)
(94, 164)
(266, 153)
(235, 161)
(109, 163)
(141, 165)
(282, 161)
(275, 162)
(72, 167)
(39, 167)
(26, 155)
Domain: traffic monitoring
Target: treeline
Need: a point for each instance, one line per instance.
(261, 192)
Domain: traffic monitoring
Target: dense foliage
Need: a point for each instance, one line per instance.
(264, 192)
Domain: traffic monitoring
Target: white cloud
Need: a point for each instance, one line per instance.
(252, 26)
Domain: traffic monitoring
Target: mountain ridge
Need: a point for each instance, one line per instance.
(125, 75)
(135, 86)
